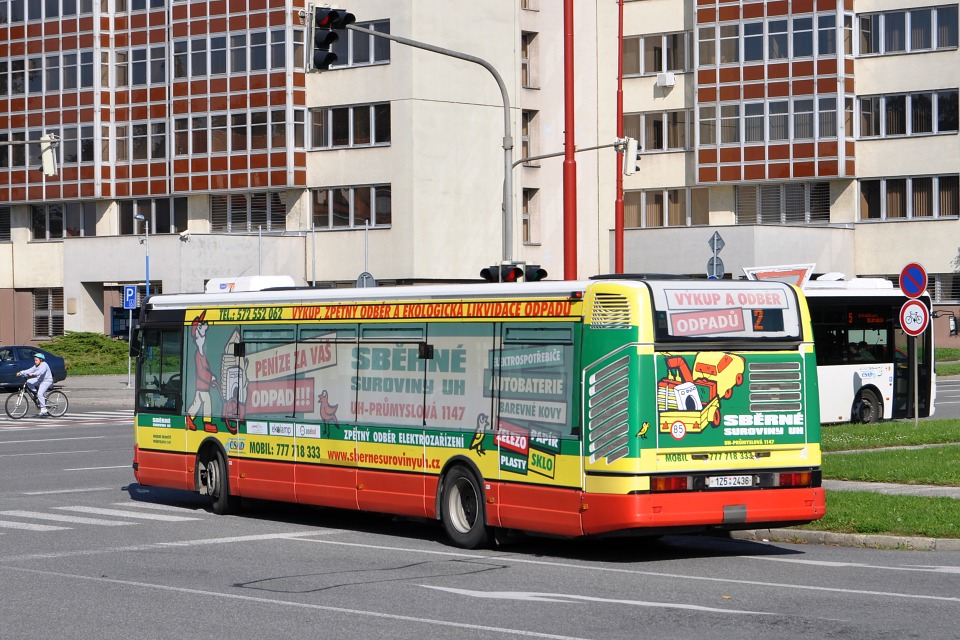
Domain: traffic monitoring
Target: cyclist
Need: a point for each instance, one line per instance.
(40, 380)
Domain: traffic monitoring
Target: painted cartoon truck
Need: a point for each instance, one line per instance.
(686, 405)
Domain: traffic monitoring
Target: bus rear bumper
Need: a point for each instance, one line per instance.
(699, 510)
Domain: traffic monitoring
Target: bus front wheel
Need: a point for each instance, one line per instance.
(461, 509)
(866, 407)
(218, 484)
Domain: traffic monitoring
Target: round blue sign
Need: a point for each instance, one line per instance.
(913, 280)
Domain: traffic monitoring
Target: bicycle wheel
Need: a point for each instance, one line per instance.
(17, 405)
(57, 403)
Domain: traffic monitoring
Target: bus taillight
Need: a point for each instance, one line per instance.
(669, 483)
(796, 479)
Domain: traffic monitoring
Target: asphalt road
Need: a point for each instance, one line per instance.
(87, 553)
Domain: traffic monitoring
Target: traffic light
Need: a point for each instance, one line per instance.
(534, 273)
(48, 154)
(631, 156)
(502, 273)
(322, 26)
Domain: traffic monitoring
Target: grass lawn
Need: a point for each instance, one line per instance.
(875, 513)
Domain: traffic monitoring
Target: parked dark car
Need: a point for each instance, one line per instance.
(18, 358)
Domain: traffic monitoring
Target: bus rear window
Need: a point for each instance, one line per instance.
(712, 310)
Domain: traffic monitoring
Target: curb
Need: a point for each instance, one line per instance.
(805, 536)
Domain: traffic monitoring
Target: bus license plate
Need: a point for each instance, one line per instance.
(729, 481)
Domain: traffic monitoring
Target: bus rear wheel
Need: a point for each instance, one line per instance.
(866, 407)
(461, 509)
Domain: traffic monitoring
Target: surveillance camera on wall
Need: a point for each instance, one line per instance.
(184, 235)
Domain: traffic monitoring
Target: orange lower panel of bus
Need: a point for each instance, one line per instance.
(549, 510)
(604, 513)
(161, 469)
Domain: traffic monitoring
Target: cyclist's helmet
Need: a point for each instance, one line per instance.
(39, 355)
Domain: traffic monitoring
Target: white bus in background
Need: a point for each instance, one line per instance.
(864, 360)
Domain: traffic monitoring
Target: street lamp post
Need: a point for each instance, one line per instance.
(145, 241)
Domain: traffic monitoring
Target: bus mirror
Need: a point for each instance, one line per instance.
(135, 344)
(238, 350)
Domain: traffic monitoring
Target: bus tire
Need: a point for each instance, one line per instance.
(867, 408)
(462, 510)
(218, 484)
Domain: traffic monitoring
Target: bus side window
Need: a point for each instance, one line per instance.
(159, 371)
(537, 380)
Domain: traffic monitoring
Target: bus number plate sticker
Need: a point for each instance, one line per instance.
(715, 482)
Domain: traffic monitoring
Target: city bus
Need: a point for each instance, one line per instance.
(865, 360)
(575, 408)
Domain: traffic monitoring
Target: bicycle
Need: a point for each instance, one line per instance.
(18, 402)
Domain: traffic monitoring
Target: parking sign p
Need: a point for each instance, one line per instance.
(129, 296)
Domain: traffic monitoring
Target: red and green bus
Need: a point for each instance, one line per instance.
(578, 408)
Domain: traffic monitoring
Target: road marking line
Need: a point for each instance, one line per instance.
(64, 518)
(122, 466)
(154, 505)
(48, 453)
(45, 493)
(52, 439)
(127, 514)
(30, 527)
(456, 624)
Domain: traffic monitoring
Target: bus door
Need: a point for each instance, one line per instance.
(906, 347)
(160, 434)
(392, 363)
(259, 393)
(326, 428)
(538, 432)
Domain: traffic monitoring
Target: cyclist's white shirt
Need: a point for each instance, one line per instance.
(41, 371)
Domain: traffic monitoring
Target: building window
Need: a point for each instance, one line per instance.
(352, 207)
(529, 136)
(355, 49)
(657, 53)
(164, 215)
(773, 203)
(902, 31)
(47, 313)
(360, 126)
(914, 197)
(5, 217)
(659, 131)
(729, 43)
(921, 113)
(707, 49)
(753, 42)
(730, 124)
(248, 213)
(529, 78)
(826, 35)
(666, 208)
(708, 125)
(803, 119)
(531, 216)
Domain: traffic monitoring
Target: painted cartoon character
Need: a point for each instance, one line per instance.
(483, 423)
(202, 404)
(328, 412)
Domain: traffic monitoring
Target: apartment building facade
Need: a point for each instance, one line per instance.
(193, 142)
(808, 132)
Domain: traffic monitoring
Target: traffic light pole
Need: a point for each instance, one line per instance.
(507, 138)
(619, 145)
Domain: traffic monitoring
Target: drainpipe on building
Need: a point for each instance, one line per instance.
(618, 207)
(569, 163)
